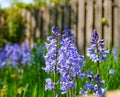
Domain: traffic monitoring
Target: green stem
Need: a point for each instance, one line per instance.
(76, 85)
(55, 81)
(55, 69)
(70, 91)
(98, 67)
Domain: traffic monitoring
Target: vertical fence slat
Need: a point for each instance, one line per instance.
(66, 14)
(28, 27)
(98, 17)
(81, 23)
(59, 20)
(73, 17)
(52, 13)
(31, 29)
(38, 20)
(45, 16)
(108, 26)
(117, 23)
(89, 21)
(33, 26)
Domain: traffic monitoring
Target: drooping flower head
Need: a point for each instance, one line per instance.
(97, 51)
(95, 37)
(51, 55)
(55, 31)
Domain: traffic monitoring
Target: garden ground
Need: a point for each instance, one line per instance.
(113, 93)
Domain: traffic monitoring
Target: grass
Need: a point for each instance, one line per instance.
(29, 80)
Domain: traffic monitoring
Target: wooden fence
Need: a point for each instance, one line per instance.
(82, 16)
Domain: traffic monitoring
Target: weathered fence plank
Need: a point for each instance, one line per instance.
(81, 24)
(52, 13)
(46, 18)
(28, 28)
(108, 26)
(67, 14)
(60, 17)
(89, 21)
(37, 33)
(73, 17)
(117, 23)
(98, 17)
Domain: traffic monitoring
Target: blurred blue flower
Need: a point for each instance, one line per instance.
(115, 53)
(3, 58)
(15, 54)
(111, 72)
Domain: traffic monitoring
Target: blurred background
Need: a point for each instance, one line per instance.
(31, 20)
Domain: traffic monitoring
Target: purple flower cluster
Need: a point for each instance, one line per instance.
(15, 54)
(49, 84)
(3, 58)
(63, 54)
(94, 85)
(97, 51)
(70, 62)
(51, 47)
(51, 57)
(62, 58)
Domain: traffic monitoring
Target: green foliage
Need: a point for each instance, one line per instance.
(48, 2)
(13, 27)
(29, 80)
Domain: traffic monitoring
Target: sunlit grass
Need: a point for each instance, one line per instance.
(29, 80)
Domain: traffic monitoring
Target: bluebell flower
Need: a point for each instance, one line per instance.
(94, 85)
(100, 92)
(83, 93)
(88, 86)
(111, 72)
(17, 54)
(55, 31)
(3, 58)
(97, 51)
(50, 57)
(49, 84)
(57, 95)
(97, 78)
